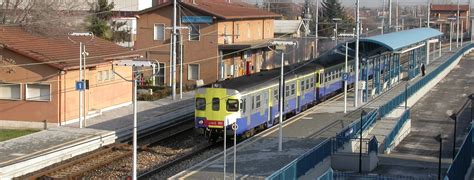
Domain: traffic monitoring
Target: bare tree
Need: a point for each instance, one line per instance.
(49, 17)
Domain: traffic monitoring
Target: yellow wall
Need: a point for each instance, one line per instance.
(248, 30)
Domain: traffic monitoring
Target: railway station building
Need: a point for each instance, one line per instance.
(220, 40)
(38, 77)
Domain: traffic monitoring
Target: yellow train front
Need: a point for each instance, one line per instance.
(213, 107)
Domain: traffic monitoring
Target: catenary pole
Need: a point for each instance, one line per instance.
(389, 14)
(457, 26)
(429, 13)
(345, 82)
(280, 102)
(81, 92)
(135, 127)
(317, 29)
(174, 51)
(357, 54)
(383, 17)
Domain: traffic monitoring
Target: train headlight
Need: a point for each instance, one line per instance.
(201, 122)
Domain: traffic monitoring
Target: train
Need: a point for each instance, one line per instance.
(251, 102)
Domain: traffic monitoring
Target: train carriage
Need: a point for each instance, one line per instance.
(252, 101)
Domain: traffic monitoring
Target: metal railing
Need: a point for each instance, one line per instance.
(391, 136)
(462, 161)
(304, 163)
(343, 175)
(353, 130)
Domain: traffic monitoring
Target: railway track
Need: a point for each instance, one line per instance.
(78, 167)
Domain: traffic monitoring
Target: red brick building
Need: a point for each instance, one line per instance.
(38, 75)
(441, 13)
(224, 39)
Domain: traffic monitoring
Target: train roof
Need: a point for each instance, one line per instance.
(266, 78)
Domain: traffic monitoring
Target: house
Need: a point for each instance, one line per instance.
(441, 12)
(38, 76)
(290, 28)
(222, 40)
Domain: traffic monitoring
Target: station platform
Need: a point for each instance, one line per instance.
(258, 157)
(35, 151)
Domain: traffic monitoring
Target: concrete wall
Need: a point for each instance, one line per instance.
(350, 161)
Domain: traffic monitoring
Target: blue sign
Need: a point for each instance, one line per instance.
(80, 85)
(197, 19)
(345, 76)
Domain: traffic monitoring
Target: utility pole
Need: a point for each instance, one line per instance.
(81, 92)
(457, 27)
(317, 29)
(173, 85)
(357, 54)
(389, 14)
(429, 13)
(383, 17)
(181, 58)
(396, 14)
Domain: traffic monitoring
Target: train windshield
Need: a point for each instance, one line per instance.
(200, 104)
(232, 105)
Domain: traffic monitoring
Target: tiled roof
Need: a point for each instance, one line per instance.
(59, 51)
(222, 9)
(439, 7)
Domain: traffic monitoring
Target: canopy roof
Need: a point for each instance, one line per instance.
(398, 40)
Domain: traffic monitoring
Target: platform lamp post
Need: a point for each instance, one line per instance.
(282, 89)
(454, 117)
(134, 80)
(439, 138)
(362, 114)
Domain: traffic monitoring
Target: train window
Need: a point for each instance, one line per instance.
(287, 91)
(257, 101)
(243, 105)
(302, 85)
(307, 83)
(232, 105)
(312, 82)
(215, 104)
(253, 102)
(317, 78)
(275, 94)
(292, 89)
(200, 104)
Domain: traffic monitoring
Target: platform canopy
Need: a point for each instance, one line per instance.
(396, 41)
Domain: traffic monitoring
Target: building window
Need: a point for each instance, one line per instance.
(193, 71)
(105, 75)
(215, 104)
(194, 33)
(112, 75)
(159, 32)
(237, 31)
(38, 92)
(10, 91)
(160, 77)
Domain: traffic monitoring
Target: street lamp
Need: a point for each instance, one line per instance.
(362, 114)
(439, 138)
(282, 89)
(454, 117)
(335, 30)
(133, 64)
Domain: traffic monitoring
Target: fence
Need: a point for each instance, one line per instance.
(413, 88)
(353, 130)
(302, 164)
(343, 175)
(462, 161)
(391, 136)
